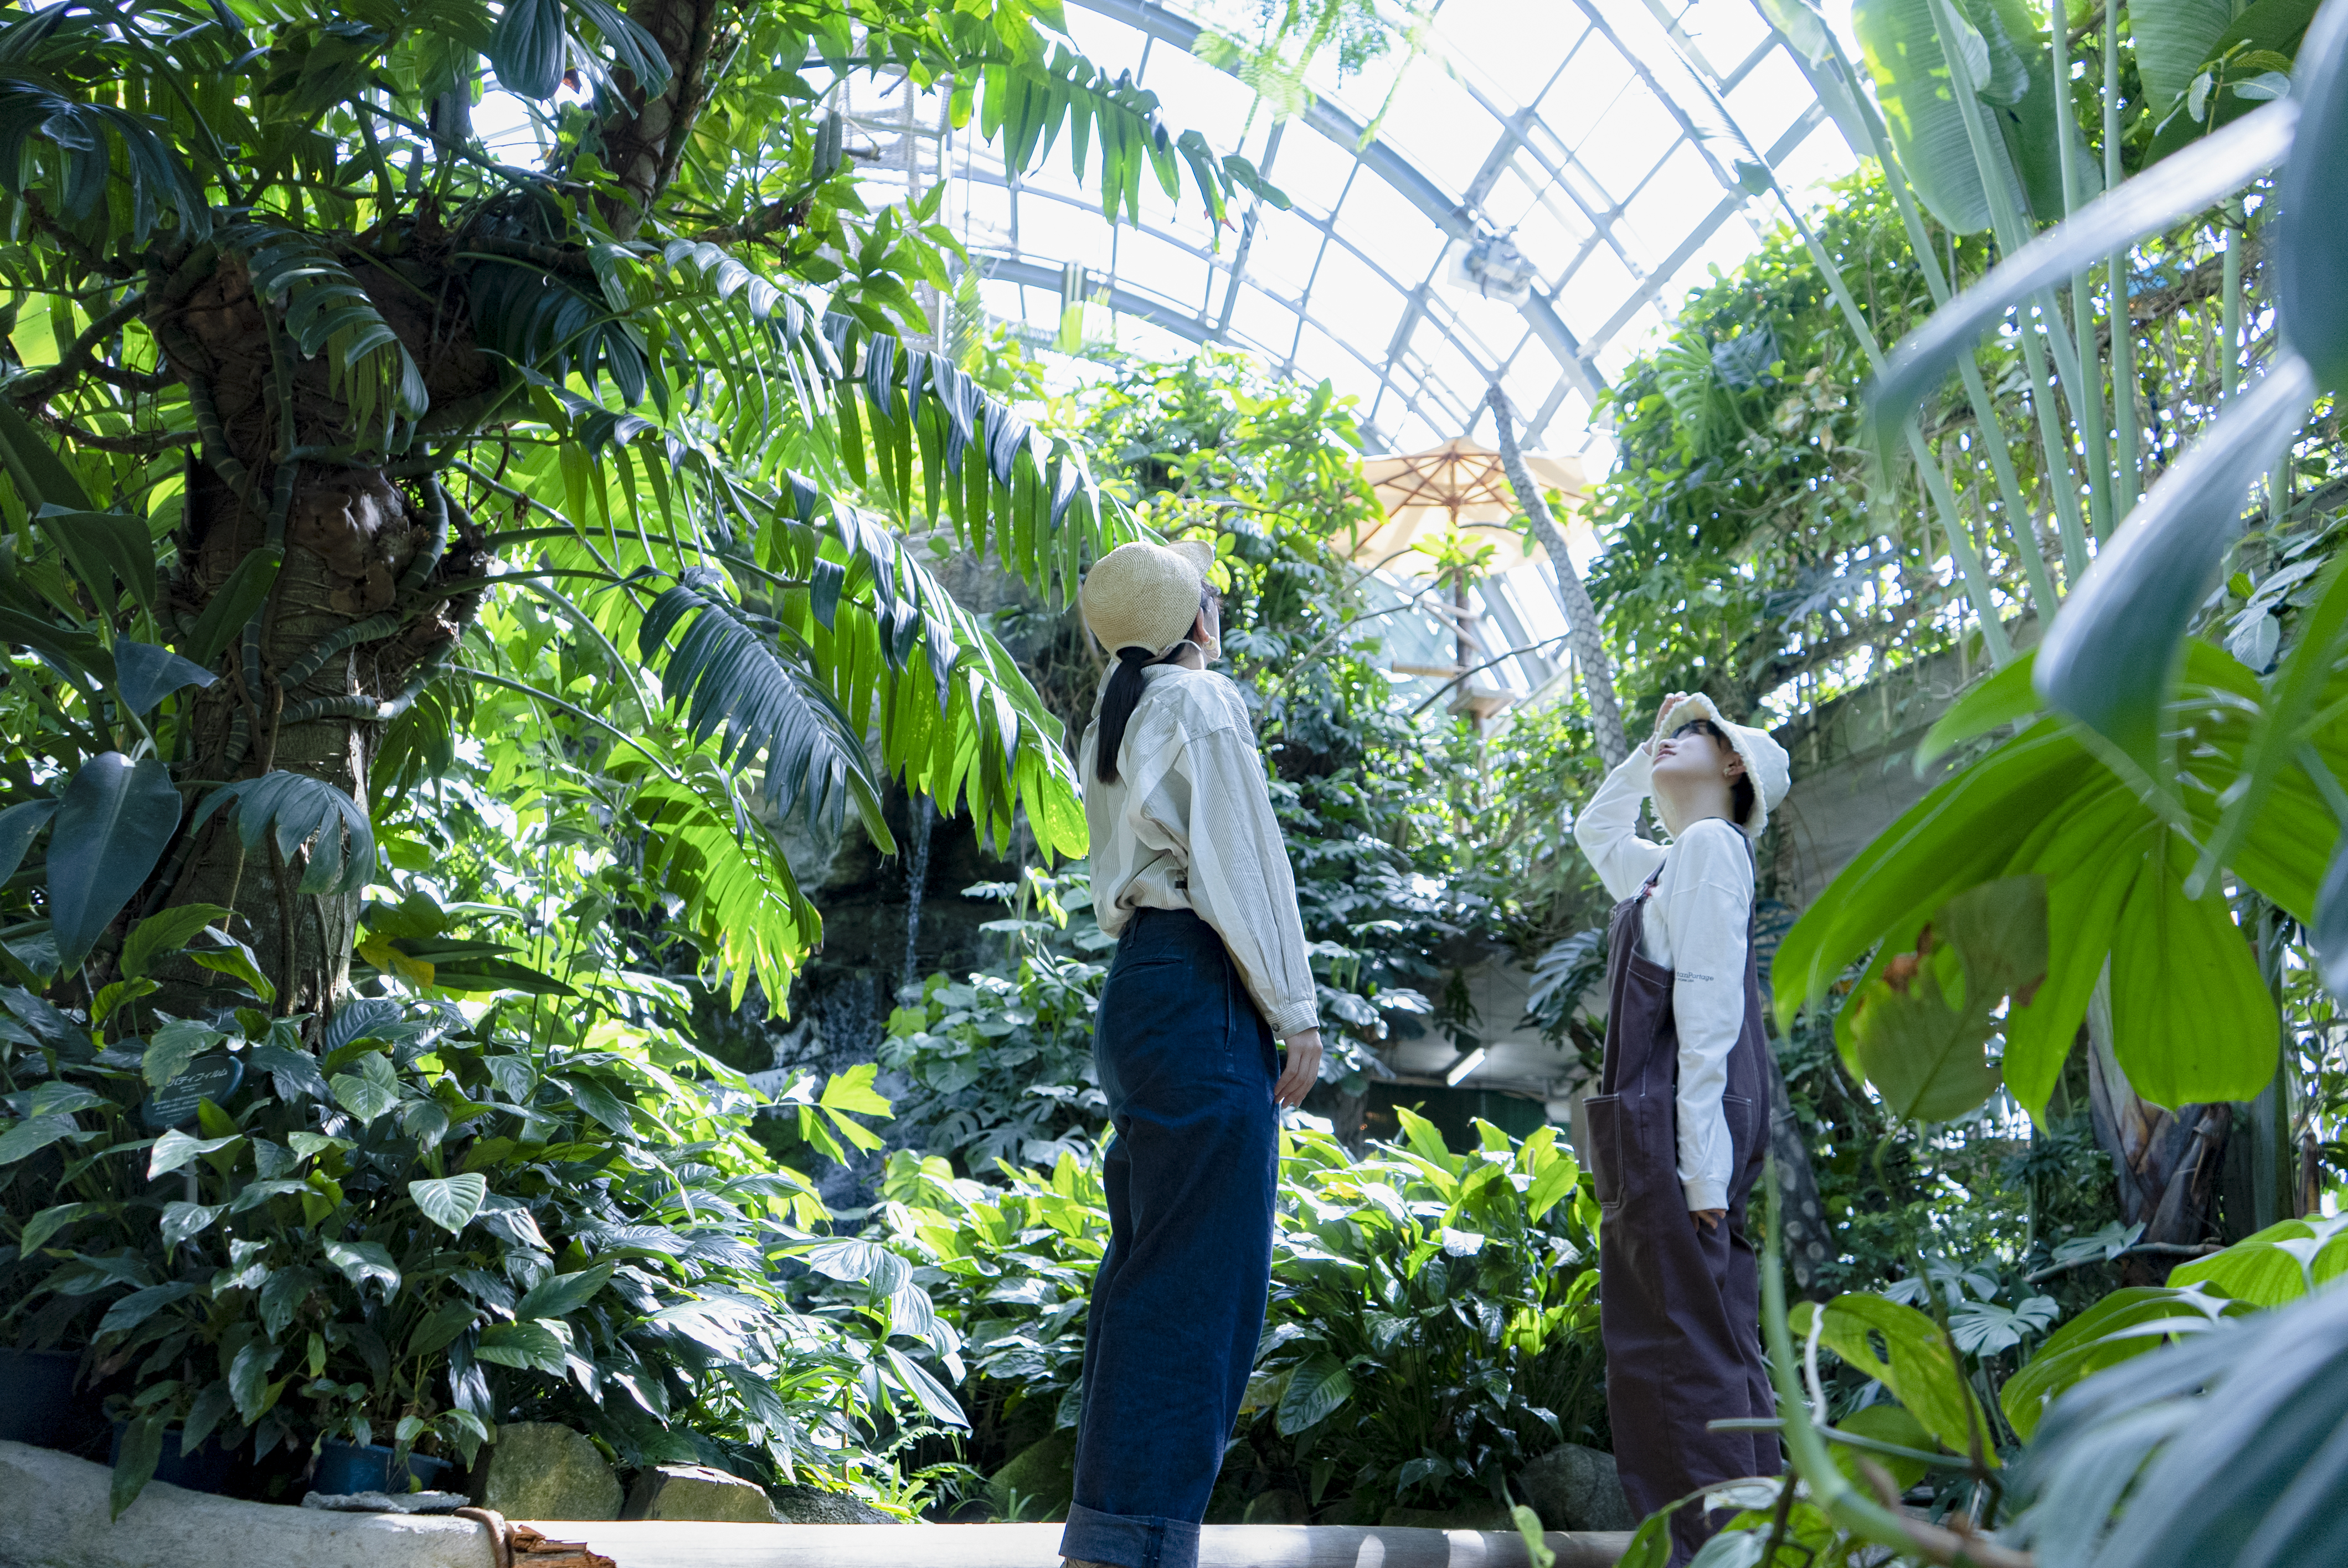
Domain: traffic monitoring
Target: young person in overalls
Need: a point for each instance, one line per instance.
(1680, 1124)
(1191, 877)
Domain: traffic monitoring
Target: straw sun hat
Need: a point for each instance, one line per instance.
(1765, 761)
(1142, 595)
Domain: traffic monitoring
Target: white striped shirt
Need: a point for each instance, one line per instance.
(1188, 825)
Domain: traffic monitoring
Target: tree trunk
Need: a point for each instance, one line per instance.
(1580, 615)
(2166, 1164)
(644, 141)
(365, 565)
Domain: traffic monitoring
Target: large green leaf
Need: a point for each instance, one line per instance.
(2229, 1449)
(112, 824)
(2126, 1323)
(2191, 1020)
(1919, 1029)
(2238, 84)
(451, 1202)
(529, 51)
(1914, 1366)
(2279, 1263)
(19, 825)
(1317, 1388)
(1902, 52)
(2173, 38)
(2312, 252)
(145, 674)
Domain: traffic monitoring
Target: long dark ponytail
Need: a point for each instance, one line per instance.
(1125, 689)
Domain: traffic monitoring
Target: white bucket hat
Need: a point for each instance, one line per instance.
(1142, 595)
(1765, 762)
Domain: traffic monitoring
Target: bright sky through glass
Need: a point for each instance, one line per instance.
(1600, 137)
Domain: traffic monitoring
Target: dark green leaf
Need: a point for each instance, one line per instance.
(137, 1307)
(32, 1135)
(145, 674)
(2311, 254)
(1315, 1389)
(166, 931)
(306, 813)
(360, 1261)
(527, 51)
(238, 600)
(112, 824)
(560, 1295)
(18, 827)
(134, 1464)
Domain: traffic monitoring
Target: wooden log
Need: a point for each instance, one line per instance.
(676, 1543)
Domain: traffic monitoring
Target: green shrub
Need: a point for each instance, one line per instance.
(1433, 1321)
(428, 1225)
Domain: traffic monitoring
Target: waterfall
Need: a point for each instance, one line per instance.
(917, 876)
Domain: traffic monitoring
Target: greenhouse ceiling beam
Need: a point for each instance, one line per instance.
(1407, 179)
(1035, 275)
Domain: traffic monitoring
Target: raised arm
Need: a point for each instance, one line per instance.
(1607, 827)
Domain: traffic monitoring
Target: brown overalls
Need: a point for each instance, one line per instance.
(1679, 1304)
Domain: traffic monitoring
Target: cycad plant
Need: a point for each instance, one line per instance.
(302, 371)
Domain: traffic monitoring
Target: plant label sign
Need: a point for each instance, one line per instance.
(212, 1078)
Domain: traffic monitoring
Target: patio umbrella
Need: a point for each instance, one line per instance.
(1458, 484)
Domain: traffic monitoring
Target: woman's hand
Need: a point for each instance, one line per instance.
(1708, 1219)
(1303, 1072)
(1663, 713)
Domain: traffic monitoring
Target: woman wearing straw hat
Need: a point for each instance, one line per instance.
(1191, 876)
(1679, 1128)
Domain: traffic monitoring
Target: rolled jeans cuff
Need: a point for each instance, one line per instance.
(1092, 1536)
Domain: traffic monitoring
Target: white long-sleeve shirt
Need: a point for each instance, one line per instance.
(1694, 926)
(1189, 825)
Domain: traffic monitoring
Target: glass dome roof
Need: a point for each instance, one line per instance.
(1544, 181)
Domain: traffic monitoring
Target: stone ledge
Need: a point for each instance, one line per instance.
(676, 1544)
(55, 1507)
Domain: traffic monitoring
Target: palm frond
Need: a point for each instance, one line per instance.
(744, 689)
(328, 310)
(742, 905)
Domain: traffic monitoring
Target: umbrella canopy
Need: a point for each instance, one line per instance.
(1458, 484)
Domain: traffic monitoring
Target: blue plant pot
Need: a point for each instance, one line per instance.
(206, 1470)
(37, 1400)
(346, 1467)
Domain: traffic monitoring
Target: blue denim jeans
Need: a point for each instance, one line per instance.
(1188, 1065)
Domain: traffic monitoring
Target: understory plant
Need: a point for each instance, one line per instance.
(436, 1220)
(1433, 1322)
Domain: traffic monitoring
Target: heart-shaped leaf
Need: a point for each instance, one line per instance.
(451, 1202)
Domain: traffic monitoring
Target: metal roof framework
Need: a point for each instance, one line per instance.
(1623, 148)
